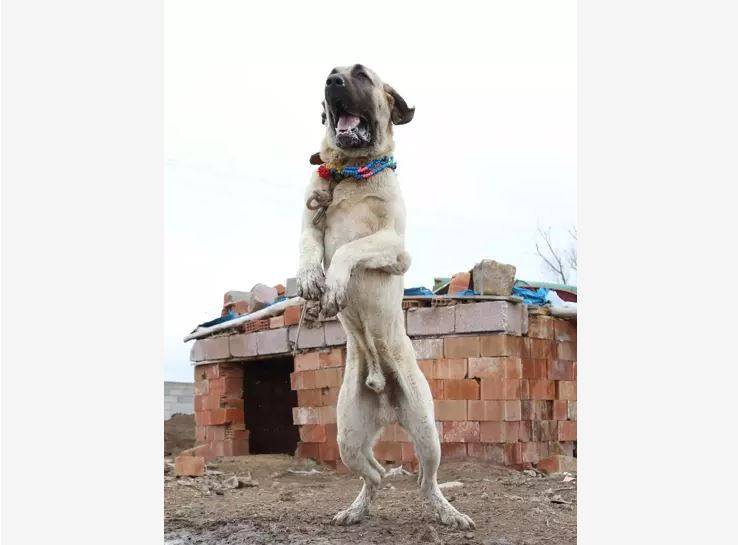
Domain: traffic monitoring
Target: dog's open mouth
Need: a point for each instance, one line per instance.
(352, 131)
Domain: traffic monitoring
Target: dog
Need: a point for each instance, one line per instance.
(352, 260)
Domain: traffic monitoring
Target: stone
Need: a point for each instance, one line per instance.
(491, 316)
(334, 333)
(310, 337)
(490, 277)
(232, 297)
(243, 345)
(423, 321)
(428, 349)
(261, 296)
(272, 341)
(291, 288)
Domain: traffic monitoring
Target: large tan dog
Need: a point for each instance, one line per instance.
(352, 259)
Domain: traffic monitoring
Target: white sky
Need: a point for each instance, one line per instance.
(490, 155)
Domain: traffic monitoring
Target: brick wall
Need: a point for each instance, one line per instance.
(504, 384)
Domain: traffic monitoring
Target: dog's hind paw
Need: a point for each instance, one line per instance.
(449, 516)
(347, 517)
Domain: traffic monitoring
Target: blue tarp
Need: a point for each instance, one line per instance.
(415, 292)
(230, 316)
(465, 293)
(531, 297)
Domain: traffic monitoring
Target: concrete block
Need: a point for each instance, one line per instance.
(430, 321)
(309, 337)
(334, 333)
(490, 316)
(291, 288)
(428, 349)
(272, 341)
(493, 278)
(216, 348)
(231, 297)
(243, 345)
(197, 352)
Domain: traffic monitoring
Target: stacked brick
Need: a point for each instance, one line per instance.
(503, 383)
(220, 428)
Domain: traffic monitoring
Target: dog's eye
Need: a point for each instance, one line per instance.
(363, 75)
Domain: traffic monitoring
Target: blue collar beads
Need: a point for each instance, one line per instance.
(368, 170)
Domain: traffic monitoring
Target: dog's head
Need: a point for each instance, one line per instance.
(359, 111)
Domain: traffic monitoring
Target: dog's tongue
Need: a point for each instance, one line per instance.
(347, 122)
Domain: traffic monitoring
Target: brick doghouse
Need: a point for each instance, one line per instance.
(503, 377)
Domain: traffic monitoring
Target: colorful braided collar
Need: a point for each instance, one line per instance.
(373, 167)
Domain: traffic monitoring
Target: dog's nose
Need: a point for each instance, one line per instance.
(335, 80)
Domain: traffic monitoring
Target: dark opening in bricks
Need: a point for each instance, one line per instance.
(268, 403)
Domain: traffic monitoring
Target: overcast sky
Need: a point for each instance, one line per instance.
(490, 155)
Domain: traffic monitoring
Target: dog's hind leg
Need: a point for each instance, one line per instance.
(415, 414)
(359, 424)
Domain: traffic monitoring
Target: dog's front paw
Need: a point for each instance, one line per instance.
(401, 264)
(334, 296)
(311, 283)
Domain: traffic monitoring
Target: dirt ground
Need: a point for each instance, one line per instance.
(179, 434)
(279, 506)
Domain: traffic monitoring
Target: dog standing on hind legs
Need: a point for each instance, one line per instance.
(352, 259)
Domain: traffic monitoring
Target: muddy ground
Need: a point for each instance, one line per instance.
(278, 506)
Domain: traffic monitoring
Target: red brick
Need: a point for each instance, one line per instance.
(500, 388)
(307, 361)
(292, 315)
(309, 398)
(486, 410)
(327, 415)
(501, 345)
(328, 451)
(235, 447)
(566, 389)
(449, 368)
(329, 397)
(281, 290)
(461, 347)
(544, 430)
(460, 389)
(460, 432)
(201, 434)
(331, 433)
(459, 282)
(538, 348)
(524, 389)
(513, 410)
(496, 367)
(526, 431)
(389, 451)
(513, 453)
(233, 386)
(453, 451)
(564, 330)
(560, 410)
(332, 358)
(557, 464)
(189, 465)
(276, 322)
(408, 452)
(426, 367)
(530, 452)
(535, 368)
(449, 409)
(303, 380)
(494, 453)
(312, 433)
(541, 327)
(234, 415)
(202, 387)
(571, 410)
(394, 432)
(561, 370)
(436, 386)
(328, 378)
(308, 450)
(306, 415)
(542, 389)
(499, 432)
(567, 430)
(215, 433)
(538, 409)
(566, 351)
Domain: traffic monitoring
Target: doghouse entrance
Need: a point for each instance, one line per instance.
(268, 402)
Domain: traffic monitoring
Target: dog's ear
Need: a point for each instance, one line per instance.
(322, 116)
(401, 113)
